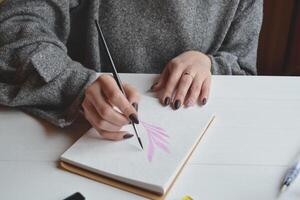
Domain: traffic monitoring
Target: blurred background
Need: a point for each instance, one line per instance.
(279, 48)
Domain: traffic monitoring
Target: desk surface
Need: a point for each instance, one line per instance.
(244, 155)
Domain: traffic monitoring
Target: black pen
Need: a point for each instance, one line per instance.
(115, 74)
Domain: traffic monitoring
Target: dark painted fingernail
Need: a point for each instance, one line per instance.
(136, 106)
(177, 104)
(134, 118)
(167, 101)
(204, 101)
(153, 86)
(127, 136)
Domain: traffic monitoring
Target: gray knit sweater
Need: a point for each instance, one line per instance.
(49, 49)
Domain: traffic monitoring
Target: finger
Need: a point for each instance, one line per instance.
(161, 81)
(96, 121)
(115, 135)
(118, 99)
(104, 109)
(132, 95)
(182, 89)
(194, 91)
(109, 114)
(107, 126)
(205, 89)
(88, 113)
(171, 84)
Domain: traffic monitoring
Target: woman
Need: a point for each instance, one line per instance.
(49, 54)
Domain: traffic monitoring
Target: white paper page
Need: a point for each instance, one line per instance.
(126, 161)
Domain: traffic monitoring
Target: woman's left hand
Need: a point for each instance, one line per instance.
(185, 80)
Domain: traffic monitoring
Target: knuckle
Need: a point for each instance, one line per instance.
(84, 104)
(174, 62)
(100, 124)
(105, 111)
(185, 79)
(85, 112)
(115, 95)
(89, 91)
(180, 94)
(178, 66)
(195, 88)
(103, 77)
(85, 107)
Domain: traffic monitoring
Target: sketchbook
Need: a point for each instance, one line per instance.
(168, 136)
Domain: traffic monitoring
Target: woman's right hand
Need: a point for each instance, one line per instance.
(100, 99)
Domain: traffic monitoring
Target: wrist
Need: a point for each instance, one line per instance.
(205, 60)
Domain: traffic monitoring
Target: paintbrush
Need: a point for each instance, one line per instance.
(115, 74)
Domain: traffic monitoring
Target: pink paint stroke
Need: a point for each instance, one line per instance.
(162, 146)
(154, 127)
(157, 137)
(157, 132)
(150, 149)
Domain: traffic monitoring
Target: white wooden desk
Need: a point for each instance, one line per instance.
(243, 156)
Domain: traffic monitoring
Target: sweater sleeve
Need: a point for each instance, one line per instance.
(238, 52)
(36, 74)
